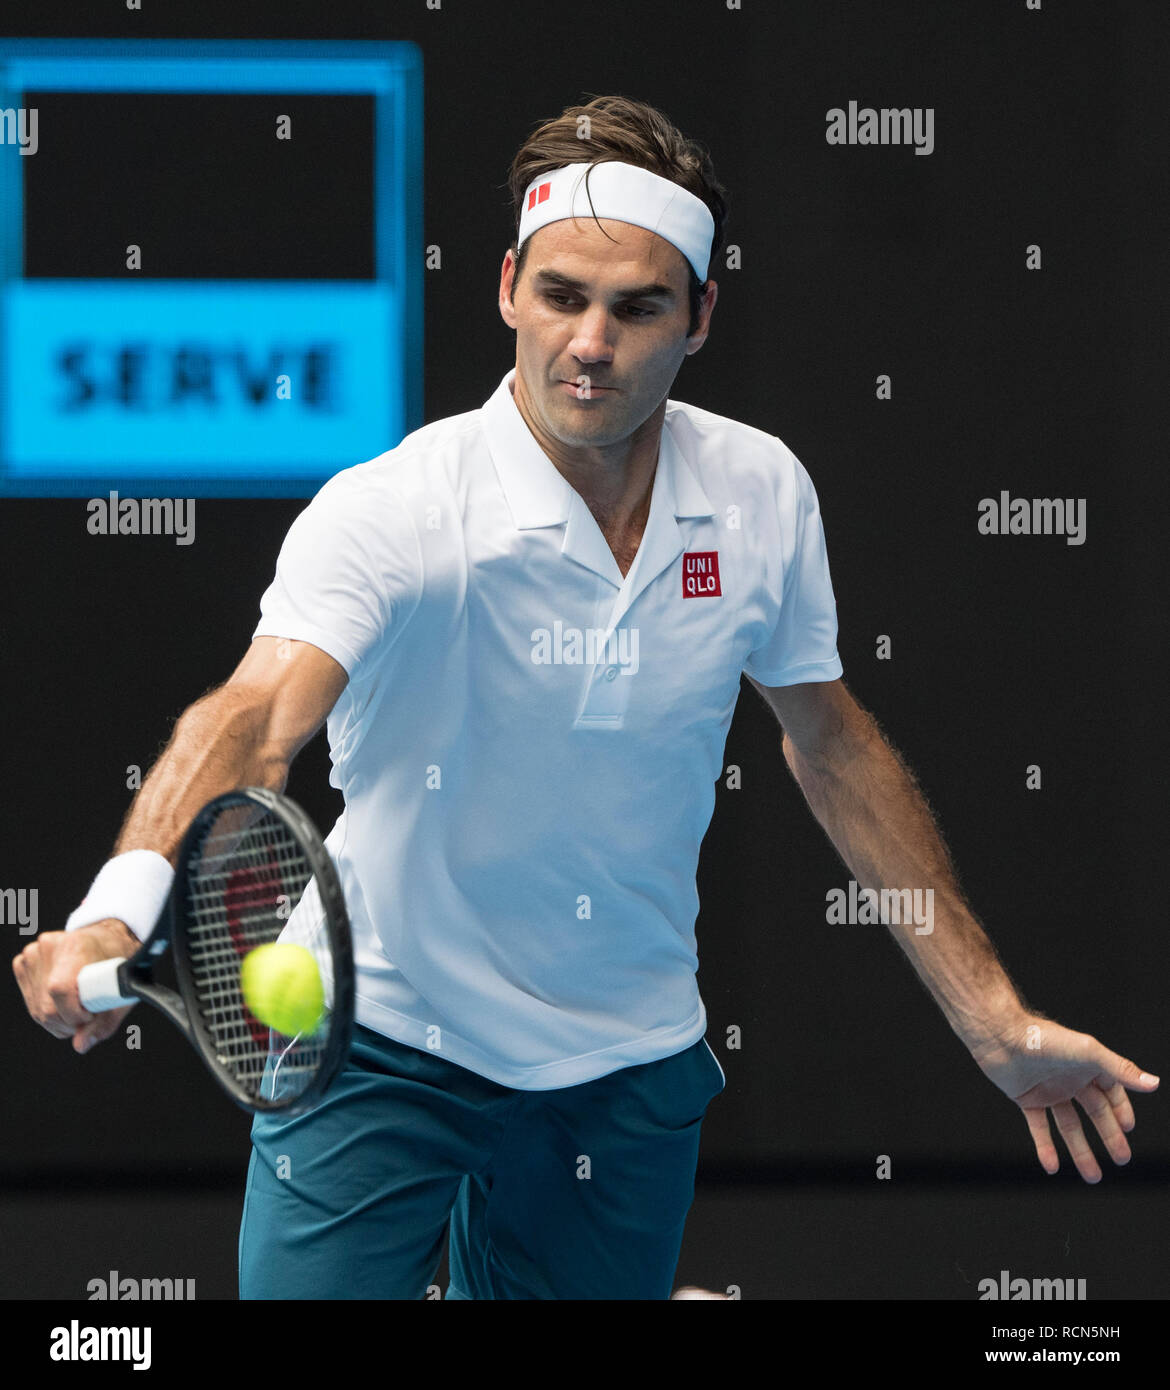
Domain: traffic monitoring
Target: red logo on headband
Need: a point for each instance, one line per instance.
(539, 195)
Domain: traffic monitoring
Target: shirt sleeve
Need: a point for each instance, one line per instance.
(348, 576)
(803, 644)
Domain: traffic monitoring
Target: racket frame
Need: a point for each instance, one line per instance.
(336, 924)
(136, 974)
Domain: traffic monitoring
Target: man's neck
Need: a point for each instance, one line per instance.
(615, 481)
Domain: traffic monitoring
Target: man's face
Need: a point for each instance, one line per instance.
(601, 327)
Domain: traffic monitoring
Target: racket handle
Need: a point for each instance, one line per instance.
(97, 985)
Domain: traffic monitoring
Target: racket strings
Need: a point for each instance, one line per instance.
(245, 886)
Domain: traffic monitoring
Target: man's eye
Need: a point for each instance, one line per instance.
(636, 310)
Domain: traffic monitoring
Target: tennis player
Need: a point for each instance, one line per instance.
(525, 627)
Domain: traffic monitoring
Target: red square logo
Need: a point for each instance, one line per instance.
(539, 195)
(700, 574)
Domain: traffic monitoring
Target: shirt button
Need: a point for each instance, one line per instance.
(611, 673)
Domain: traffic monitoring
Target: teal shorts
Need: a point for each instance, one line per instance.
(580, 1192)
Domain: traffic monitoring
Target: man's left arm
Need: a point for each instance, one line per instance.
(869, 804)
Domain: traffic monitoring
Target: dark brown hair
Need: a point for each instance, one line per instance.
(634, 133)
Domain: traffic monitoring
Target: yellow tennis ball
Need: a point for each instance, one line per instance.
(282, 986)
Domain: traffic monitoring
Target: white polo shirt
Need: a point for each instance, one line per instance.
(528, 744)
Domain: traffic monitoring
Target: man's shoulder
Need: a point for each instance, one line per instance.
(441, 438)
(410, 464)
(706, 437)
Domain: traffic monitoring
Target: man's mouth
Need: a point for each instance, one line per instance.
(587, 388)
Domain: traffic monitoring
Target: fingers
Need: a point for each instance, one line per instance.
(1099, 1108)
(46, 971)
(1037, 1118)
(61, 988)
(1105, 1102)
(1116, 1094)
(1068, 1122)
(1118, 1074)
(49, 994)
(104, 1025)
(1120, 1069)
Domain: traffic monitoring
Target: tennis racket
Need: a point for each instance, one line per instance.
(251, 870)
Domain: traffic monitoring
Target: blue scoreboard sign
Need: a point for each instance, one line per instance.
(209, 387)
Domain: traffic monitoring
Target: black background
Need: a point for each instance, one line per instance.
(1007, 651)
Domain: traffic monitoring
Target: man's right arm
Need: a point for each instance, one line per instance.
(245, 732)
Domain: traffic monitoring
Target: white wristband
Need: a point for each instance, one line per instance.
(132, 887)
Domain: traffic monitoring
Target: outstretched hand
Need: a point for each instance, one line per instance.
(1043, 1066)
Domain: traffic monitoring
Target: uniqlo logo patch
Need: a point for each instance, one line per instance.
(701, 574)
(539, 195)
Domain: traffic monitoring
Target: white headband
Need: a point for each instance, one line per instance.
(626, 193)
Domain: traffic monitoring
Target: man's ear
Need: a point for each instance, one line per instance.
(706, 308)
(507, 279)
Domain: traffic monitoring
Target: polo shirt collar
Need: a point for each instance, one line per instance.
(538, 495)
